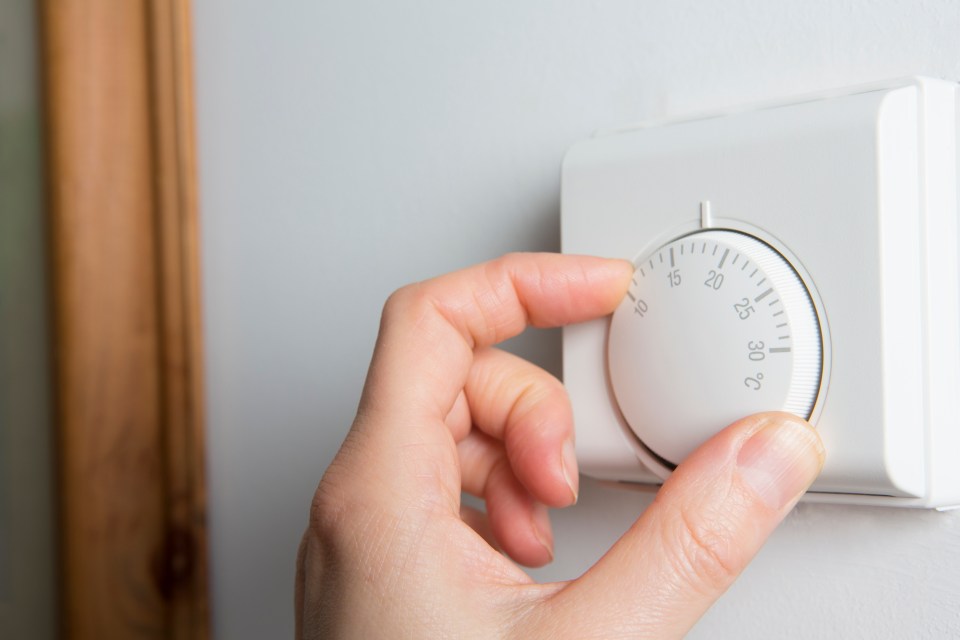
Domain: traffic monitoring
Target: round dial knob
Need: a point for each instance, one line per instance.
(715, 326)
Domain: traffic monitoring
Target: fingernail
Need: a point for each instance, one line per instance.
(568, 464)
(780, 461)
(541, 528)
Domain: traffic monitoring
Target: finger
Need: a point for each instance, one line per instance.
(478, 454)
(527, 409)
(459, 420)
(518, 522)
(429, 330)
(509, 505)
(707, 522)
(425, 350)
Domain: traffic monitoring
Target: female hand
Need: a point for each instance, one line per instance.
(391, 553)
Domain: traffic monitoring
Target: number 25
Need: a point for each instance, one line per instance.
(743, 308)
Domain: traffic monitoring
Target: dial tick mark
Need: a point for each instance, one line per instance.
(723, 259)
(763, 295)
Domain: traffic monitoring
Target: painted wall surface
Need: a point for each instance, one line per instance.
(348, 147)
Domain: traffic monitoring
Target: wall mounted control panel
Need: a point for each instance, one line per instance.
(798, 256)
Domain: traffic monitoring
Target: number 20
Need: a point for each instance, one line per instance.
(714, 280)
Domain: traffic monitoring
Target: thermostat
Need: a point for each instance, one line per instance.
(797, 256)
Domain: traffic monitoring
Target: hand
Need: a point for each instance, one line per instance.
(390, 552)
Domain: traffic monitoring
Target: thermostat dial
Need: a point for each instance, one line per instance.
(716, 325)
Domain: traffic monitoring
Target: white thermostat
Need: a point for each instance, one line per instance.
(797, 256)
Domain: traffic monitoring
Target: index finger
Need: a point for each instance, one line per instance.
(429, 330)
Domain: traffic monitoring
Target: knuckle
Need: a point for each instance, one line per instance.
(326, 514)
(540, 407)
(332, 503)
(415, 306)
(402, 300)
(705, 556)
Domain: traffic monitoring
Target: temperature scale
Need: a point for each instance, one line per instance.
(799, 256)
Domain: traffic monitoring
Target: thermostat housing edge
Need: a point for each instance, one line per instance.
(859, 186)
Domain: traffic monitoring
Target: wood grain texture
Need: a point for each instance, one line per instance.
(122, 201)
(185, 581)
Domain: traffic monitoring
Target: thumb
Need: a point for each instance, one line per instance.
(705, 525)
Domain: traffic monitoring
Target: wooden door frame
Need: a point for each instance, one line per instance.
(122, 200)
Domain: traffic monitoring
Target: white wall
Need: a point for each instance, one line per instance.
(348, 147)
